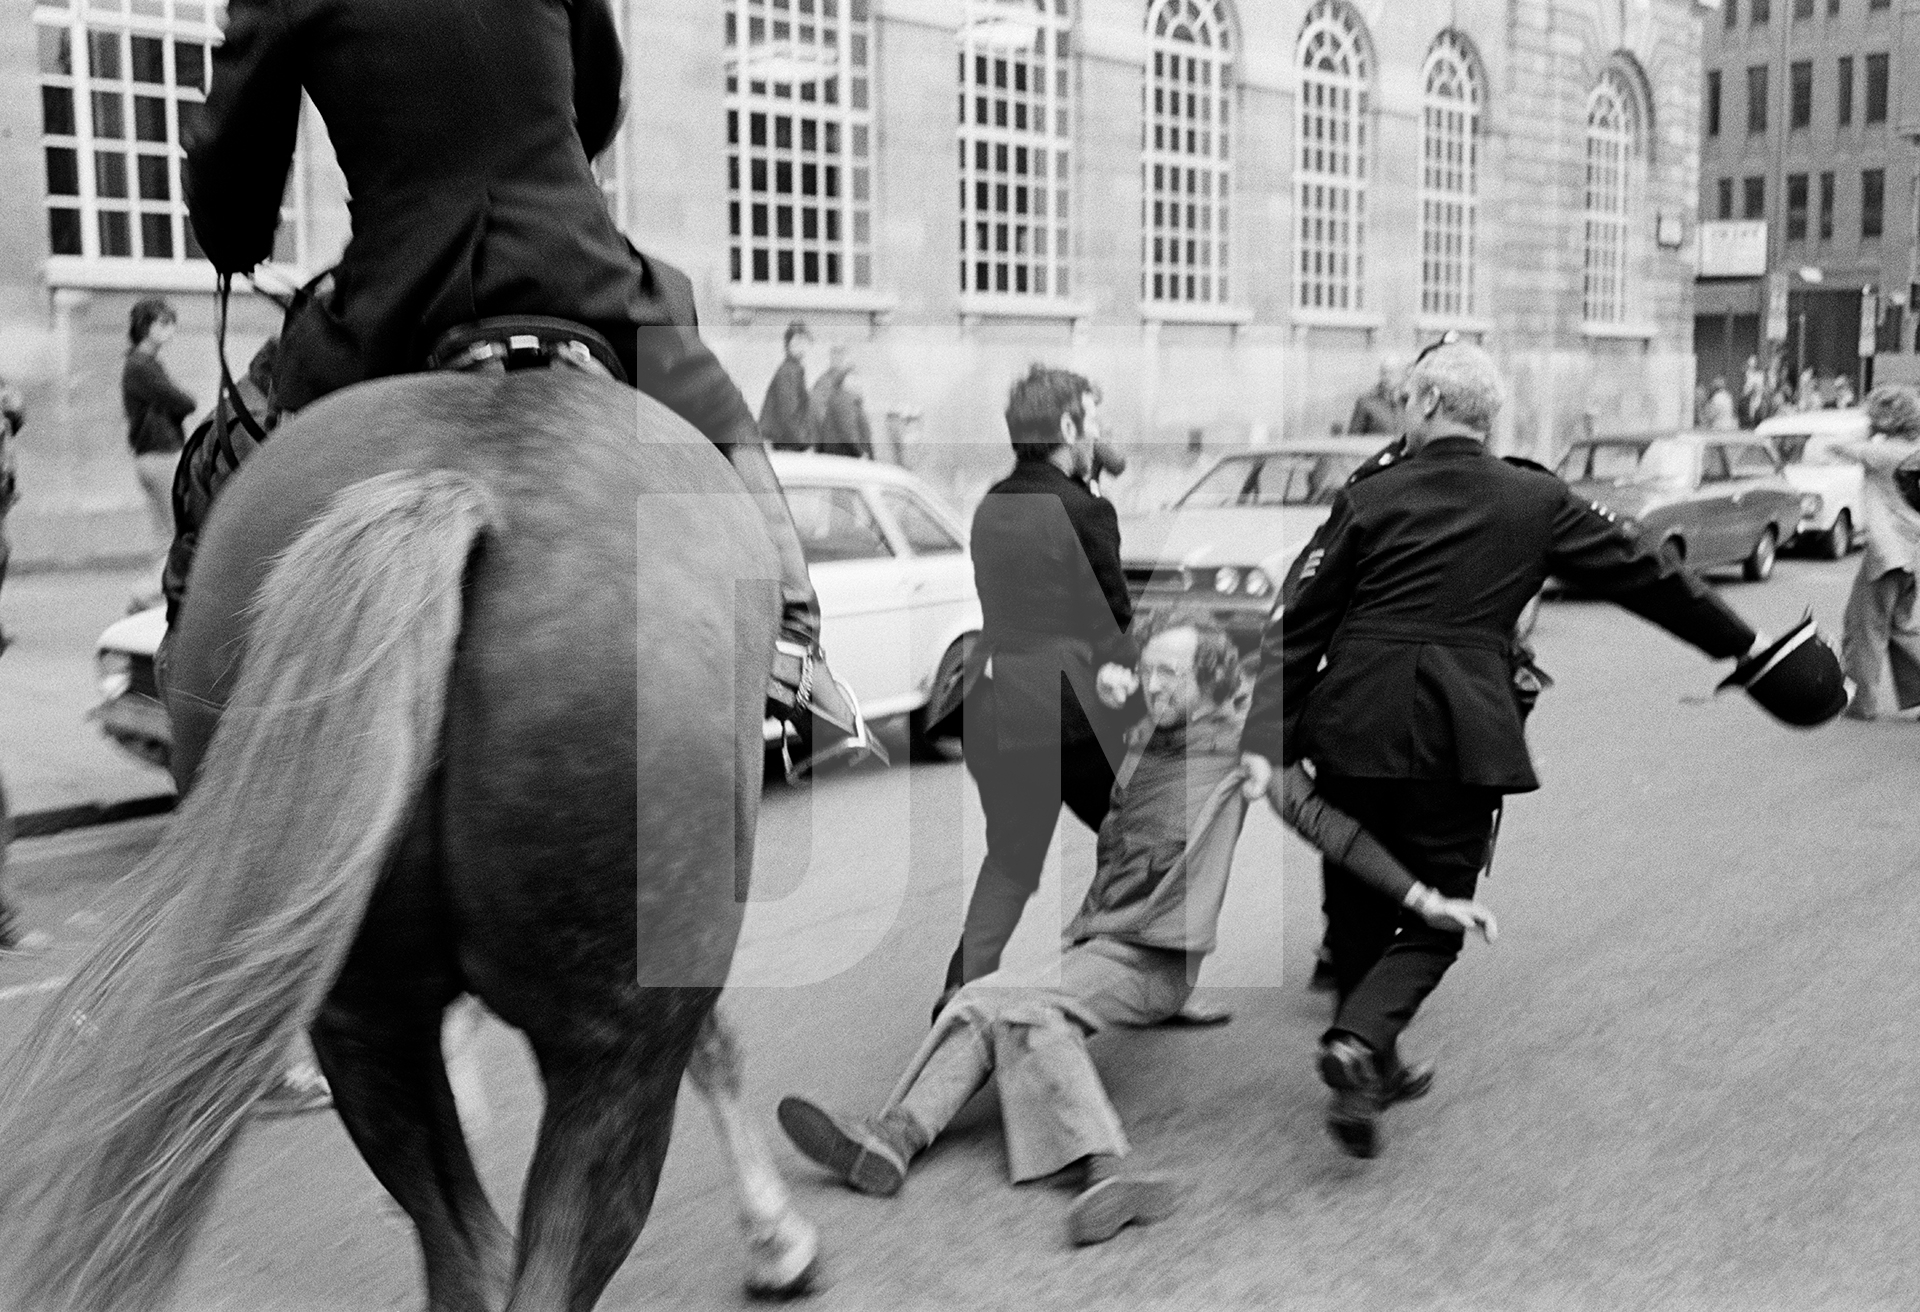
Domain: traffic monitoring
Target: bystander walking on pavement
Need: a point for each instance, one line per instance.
(1880, 633)
(1380, 409)
(839, 413)
(1720, 412)
(156, 408)
(786, 417)
(12, 416)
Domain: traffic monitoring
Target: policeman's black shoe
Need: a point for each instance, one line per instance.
(1405, 1083)
(1349, 1067)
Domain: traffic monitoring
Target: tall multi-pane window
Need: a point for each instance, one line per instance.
(1796, 207)
(799, 143)
(1613, 162)
(1713, 102)
(1844, 96)
(1762, 10)
(1876, 89)
(1873, 202)
(1015, 145)
(1725, 198)
(1802, 9)
(1331, 178)
(1757, 98)
(1732, 15)
(1186, 165)
(1450, 178)
(1826, 207)
(1800, 94)
(119, 88)
(1753, 199)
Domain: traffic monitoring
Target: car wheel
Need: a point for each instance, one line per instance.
(1837, 541)
(1758, 566)
(952, 666)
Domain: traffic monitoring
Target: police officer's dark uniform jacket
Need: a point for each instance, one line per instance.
(1055, 608)
(1392, 669)
(1410, 593)
(464, 128)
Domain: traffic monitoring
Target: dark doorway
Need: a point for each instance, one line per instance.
(1721, 345)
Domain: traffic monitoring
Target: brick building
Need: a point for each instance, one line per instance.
(1225, 211)
(1806, 141)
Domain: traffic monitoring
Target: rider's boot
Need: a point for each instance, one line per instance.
(819, 710)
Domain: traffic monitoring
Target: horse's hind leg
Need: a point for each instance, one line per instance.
(378, 1040)
(611, 1088)
(783, 1248)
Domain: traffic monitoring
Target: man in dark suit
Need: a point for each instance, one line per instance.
(1050, 673)
(1392, 671)
(786, 413)
(466, 129)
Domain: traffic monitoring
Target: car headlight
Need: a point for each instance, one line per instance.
(1226, 580)
(114, 669)
(1257, 583)
(1810, 505)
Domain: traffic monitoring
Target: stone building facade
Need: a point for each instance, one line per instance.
(1224, 211)
(1805, 127)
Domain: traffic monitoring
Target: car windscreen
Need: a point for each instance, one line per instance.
(1289, 478)
(1620, 463)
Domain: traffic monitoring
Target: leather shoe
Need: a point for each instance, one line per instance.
(1106, 1207)
(1405, 1083)
(1349, 1067)
(856, 1153)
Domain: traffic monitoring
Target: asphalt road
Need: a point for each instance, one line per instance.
(1683, 1078)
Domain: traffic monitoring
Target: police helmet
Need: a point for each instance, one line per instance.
(1797, 680)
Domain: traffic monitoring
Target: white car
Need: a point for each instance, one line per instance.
(888, 558)
(1805, 445)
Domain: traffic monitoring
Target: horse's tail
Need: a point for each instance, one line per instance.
(132, 1087)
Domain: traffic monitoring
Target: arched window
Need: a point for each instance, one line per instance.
(1613, 163)
(1186, 165)
(1015, 144)
(1450, 178)
(1331, 180)
(799, 129)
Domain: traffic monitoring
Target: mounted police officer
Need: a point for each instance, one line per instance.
(465, 129)
(1393, 671)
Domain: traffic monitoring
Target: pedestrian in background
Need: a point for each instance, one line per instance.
(839, 414)
(156, 408)
(12, 418)
(1381, 409)
(1879, 632)
(1753, 393)
(1720, 412)
(786, 412)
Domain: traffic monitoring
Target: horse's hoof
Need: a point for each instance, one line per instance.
(786, 1263)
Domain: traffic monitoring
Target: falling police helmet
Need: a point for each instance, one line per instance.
(1797, 680)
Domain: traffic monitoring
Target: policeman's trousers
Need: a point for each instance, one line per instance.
(1386, 959)
(1881, 633)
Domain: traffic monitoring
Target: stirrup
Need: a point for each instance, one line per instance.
(822, 738)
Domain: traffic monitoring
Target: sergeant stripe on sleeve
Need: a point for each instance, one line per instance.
(1312, 566)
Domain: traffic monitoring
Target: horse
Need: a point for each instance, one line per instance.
(469, 689)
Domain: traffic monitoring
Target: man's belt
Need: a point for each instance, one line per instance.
(1441, 635)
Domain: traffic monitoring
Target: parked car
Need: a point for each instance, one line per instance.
(887, 556)
(1716, 498)
(1804, 443)
(1223, 548)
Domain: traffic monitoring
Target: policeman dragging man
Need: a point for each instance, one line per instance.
(1391, 671)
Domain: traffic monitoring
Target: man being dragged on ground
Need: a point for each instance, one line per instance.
(1131, 958)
